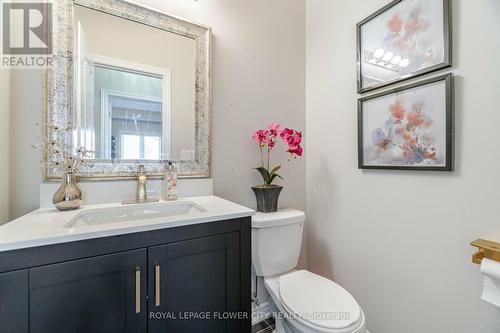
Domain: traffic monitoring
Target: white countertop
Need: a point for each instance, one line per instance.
(46, 226)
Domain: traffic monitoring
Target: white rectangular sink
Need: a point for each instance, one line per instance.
(103, 216)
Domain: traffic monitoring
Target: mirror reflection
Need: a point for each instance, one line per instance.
(134, 89)
(132, 114)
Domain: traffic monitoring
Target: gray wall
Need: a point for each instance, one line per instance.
(399, 241)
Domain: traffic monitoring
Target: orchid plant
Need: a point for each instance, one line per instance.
(267, 140)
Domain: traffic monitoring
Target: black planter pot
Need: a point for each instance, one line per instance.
(267, 197)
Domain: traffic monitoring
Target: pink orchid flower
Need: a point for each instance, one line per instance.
(274, 130)
(268, 139)
(291, 137)
(286, 134)
(297, 138)
(295, 150)
(261, 137)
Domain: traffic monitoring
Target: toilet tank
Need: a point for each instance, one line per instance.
(276, 241)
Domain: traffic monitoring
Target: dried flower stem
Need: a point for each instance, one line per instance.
(61, 155)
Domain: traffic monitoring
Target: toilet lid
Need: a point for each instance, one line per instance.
(318, 301)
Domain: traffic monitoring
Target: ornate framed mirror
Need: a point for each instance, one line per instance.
(134, 83)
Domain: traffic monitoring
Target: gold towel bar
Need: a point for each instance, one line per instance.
(487, 249)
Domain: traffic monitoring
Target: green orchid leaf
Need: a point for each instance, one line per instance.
(275, 169)
(265, 175)
(273, 176)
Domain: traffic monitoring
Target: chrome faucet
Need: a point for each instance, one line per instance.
(141, 194)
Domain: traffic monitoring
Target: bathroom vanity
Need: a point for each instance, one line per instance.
(128, 85)
(182, 266)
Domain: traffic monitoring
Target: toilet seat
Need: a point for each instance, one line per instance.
(317, 302)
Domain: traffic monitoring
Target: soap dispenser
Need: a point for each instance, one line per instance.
(170, 182)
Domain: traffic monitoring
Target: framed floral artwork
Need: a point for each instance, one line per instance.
(405, 39)
(408, 128)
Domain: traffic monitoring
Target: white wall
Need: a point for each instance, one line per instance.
(4, 144)
(25, 113)
(398, 241)
(258, 78)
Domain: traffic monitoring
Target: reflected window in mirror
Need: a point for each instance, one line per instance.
(134, 89)
(120, 103)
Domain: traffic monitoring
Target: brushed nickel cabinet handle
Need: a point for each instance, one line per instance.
(137, 290)
(157, 284)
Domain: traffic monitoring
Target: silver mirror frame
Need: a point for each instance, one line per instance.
(59, 86)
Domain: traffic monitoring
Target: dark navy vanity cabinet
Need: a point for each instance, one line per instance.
(185, 279)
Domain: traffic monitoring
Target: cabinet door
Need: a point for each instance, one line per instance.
(193, 284)
(14, 302)
(105, 294)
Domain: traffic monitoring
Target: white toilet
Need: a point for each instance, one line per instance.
(306, 302)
